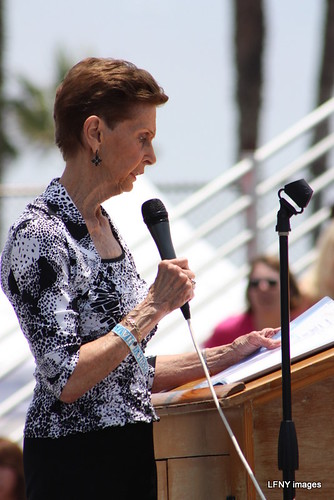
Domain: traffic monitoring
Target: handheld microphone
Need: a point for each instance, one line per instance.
(156, 218)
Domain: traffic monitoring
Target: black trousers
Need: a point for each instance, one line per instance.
(115, 463)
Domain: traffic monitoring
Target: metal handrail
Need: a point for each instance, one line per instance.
(17, 398)
(315, 152)
(244, 202)
(260, 155)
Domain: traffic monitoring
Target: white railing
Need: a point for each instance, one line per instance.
(251, 197)
(260, 155)
(246, 206)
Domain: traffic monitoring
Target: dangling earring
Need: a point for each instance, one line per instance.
(96, 160)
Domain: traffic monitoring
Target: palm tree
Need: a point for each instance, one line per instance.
(249, 40)
(7, 150)
(33, 109)
(325, 92)
(2, 139)
(32, 112)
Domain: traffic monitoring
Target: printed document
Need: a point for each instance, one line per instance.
(311, 332)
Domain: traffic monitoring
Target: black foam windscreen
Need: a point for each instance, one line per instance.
(154, 211)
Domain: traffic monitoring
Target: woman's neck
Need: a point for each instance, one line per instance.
(84, 192)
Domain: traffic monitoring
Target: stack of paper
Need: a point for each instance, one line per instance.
(311, 332)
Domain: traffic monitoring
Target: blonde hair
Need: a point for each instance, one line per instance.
(323, 277)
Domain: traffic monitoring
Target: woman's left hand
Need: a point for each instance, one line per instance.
(249, 343)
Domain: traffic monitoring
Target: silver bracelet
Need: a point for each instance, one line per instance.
(131, 322)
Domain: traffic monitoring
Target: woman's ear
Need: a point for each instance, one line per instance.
(92, 132)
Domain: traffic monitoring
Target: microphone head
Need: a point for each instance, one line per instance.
(154, 211)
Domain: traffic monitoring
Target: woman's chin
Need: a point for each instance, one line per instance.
(126, 188)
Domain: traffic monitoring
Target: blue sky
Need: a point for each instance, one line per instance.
(188, 47)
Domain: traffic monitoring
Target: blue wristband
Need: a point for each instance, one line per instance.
(133, 345)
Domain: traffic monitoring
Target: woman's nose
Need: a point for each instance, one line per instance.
(263, 285)
(152, 155)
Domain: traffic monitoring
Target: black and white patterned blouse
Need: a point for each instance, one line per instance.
(65, 295)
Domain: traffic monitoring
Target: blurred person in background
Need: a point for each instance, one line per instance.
(263, 303)
(11, 471)
(319, 281)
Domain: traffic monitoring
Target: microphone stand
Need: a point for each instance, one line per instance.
(300, 192)
(287, 444)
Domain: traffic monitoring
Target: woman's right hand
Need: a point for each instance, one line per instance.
(173, 286)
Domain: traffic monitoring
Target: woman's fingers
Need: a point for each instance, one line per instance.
(174, 284)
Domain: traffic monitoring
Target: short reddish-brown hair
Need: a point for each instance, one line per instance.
(108, 88)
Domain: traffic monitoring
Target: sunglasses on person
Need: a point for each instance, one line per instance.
(255, 283)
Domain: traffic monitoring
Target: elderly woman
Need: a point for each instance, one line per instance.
(82, 306)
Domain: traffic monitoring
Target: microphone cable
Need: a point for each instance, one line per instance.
(155, 217)
(221, 413)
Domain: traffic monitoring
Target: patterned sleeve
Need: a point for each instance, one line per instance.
(40, 289)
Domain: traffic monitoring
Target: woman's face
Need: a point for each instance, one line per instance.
(264, 289)
(127, 148)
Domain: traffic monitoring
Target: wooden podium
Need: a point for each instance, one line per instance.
(196, 459)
